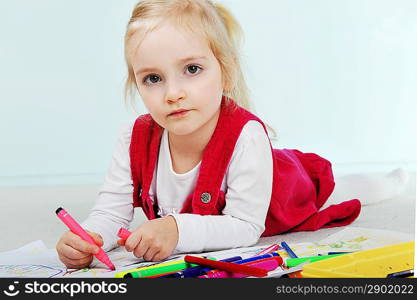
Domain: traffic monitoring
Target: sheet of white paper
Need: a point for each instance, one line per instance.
(367, 238)
(31, 260)
(35, 260)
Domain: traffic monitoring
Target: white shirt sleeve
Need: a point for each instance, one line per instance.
(249, 187)
(114, 206)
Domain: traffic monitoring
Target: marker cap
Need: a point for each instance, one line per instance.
(123, 233)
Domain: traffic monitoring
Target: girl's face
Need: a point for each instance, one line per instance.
(176, 70)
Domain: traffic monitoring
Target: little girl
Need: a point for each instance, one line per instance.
(200, 165)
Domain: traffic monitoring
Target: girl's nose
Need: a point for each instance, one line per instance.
(174, 93)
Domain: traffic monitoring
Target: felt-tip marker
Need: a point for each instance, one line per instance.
(288, 250)
(78, 230)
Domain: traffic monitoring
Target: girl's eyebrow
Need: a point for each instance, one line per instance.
(180, 61)
(184, 60)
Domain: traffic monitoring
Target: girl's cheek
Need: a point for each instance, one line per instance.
(209, 80)
(148, 96)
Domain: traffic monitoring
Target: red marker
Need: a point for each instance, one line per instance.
(78, 230)
(227, 266)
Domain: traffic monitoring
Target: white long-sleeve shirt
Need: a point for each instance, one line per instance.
(247, 185)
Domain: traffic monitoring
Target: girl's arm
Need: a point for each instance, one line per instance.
(113, 208)
(248, 194)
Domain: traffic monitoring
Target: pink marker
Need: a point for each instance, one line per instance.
(123, 233)
(268, 264)
(270, 249)
(78, 230)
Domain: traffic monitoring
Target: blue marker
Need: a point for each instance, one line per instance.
(288, 249)
(402, 274)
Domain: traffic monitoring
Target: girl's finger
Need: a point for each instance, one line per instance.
(71, 253)
(96, 237)
(150, 253)
(75, 262)
(83, 246)
(132, 241)
(141, 249)
(159, 256)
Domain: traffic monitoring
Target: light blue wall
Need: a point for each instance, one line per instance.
(334, 77)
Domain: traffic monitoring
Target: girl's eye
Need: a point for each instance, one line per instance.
(193, 69)
(151, 79)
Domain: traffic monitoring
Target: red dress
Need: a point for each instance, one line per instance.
(302, 182)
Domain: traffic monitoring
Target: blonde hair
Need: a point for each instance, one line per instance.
(215, 22)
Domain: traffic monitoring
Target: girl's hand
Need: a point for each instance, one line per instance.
(76, 253)
(154, 240)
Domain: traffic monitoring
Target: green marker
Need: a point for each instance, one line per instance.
(169, 263)
(161, 270)
(292, 262)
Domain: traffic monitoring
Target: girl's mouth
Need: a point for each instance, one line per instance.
(178, 113)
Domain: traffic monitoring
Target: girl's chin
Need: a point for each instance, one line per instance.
(180, 131)
(182, 127)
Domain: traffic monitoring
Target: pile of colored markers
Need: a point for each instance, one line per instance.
(199, 267)
(233, 267)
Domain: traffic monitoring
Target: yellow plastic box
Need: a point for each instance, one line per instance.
(376, 263)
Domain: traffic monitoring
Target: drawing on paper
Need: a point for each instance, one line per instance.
(29, 271)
